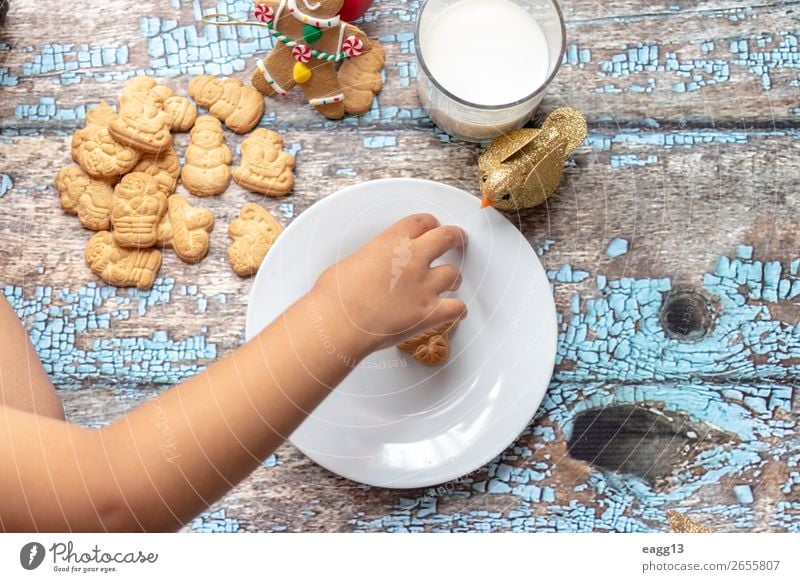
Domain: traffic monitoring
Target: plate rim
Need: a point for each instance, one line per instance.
(411, 482)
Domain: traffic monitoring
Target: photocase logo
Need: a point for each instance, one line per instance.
(31, 555)
(402, 256)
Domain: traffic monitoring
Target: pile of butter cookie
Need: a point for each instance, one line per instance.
(123, 186)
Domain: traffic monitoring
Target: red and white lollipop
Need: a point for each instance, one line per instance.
(353, 46)
(264, 13)
(301, 53)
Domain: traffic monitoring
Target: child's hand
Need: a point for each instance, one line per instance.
(387, 291)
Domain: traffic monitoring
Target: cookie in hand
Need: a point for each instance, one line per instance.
(431, 347)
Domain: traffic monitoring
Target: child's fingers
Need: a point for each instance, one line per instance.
(445, 278)
(435, 243)
(415, 225)
(449, 309)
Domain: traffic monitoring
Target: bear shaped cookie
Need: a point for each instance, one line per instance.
(207, 171)
(431, 347)
(266, 168)
(185, 229)
(236, 105)
(122, 267)
(181, 113)
(310, 39)
(86, 197)
(97, 152)
(253, 234)
(361, 79)
(136, 210)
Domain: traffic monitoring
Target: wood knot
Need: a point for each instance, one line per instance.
(687, 315)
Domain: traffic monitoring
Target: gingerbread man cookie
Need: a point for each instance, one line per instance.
(164, 168)
(141, 121)
(207, 171)
(186, 230)
(238, 106)
(310, 39)
(122, 267)
(266, 168)
(253, 234)
(431, 347)
(86, 197)
(361, 79)
(97, 152)
(137, 208)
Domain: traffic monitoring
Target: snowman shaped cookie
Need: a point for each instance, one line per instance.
(310, 39)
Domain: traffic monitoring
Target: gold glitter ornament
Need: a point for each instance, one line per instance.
(682, 524)
(523, 168)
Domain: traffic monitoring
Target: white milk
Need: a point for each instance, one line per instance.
(487, 52)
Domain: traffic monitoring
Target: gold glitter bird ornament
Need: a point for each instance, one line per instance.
(523, 168)
(682, 524)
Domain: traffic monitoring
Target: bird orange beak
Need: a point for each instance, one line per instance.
(486, 202)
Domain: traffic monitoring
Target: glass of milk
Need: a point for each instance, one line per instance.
(483, 66)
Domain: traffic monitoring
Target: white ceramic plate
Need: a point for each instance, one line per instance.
(394, 422)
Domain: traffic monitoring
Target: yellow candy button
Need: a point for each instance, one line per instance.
(301, 73)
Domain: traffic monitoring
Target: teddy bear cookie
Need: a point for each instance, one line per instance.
(119, 266)
(181, 113)
(361, 79)
(185, 229)
(136, 210)
(253, 234)
(238, 106)
(141, 121)
(431, 347)
(309, 41)
(165, 169)
(97, 152)
(86, 197)
(207, 169)
(266, 168)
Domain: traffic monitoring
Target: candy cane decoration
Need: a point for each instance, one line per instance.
(265, 13)
(326, 100)
(353, 46)
(301, 53)
(270, 81)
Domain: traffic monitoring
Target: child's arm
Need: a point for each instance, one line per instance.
(158, 466)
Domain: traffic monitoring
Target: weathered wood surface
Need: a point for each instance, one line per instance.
(691, 159)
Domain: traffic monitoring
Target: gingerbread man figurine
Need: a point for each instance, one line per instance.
(310, 38)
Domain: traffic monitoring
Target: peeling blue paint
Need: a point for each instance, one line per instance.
(744, 494)
(57, 318)
(214, 522)
(196, 49)
(621, 161)
(48, 110)
(6, 184)
(67, 64)
(617, 247)
(380, 141)
(758, 54)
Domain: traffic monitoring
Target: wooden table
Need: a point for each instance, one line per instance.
(671, 245)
